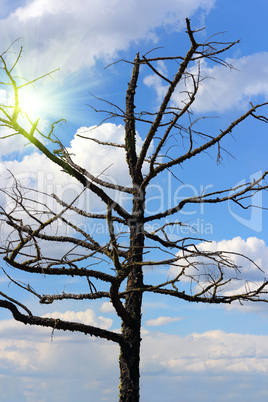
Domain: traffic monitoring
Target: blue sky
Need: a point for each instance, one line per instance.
(189, 351)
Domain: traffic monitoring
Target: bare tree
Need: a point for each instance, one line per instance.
(131, 245)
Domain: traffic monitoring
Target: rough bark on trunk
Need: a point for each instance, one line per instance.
(129, 360)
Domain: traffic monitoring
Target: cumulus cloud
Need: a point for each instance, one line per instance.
(87, 317)
(11, 147)
(213, 351)
(74, 34)
(226, 89)
(250, 256)
(77, 366)
(40, 182)
(43, 177)
(163, 320)
(253, 248)
(107, 307)
(107, 163)
(71, 365)
(223, 89)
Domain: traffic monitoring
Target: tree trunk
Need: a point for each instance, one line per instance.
(129, 360)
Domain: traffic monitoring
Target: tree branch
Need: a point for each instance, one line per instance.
(60, 324)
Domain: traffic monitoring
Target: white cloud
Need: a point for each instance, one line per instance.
(108, 163)
(37, 172)
(253, 248)
(233, 88)
(87, 317)
(244, 254)
(42, 178)
(73, 34)
(107, 307)
(15, 144)
(75, 364)
(71, 365)
(163, 320)
(223, 89)
(214, 351)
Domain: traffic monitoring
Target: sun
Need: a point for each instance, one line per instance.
(48, 102)
(32, 103)
(44, 103)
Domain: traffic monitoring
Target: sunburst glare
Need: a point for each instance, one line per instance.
(32, 104)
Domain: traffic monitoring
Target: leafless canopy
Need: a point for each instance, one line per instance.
(128, 246)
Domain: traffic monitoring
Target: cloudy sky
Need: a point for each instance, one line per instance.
(189, 352)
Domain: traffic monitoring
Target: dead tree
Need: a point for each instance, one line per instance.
(129, 246)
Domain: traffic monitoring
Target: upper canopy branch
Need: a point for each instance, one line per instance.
(130, 126)
(161, 111)
(196, 151)
(171, 125)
